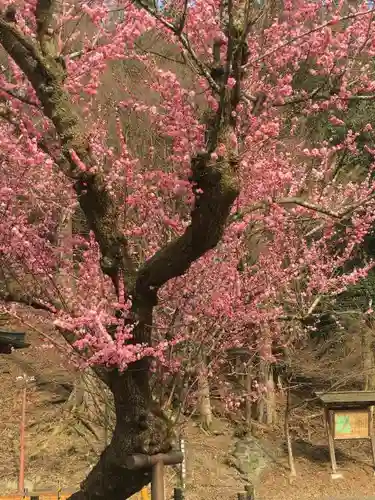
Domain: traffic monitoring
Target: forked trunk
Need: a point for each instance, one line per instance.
(141, 427)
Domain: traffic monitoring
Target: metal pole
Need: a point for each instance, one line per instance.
(21, 479)
(178, 494)
(106, 419)
(250, 492)
(183, 464)
(157, 484)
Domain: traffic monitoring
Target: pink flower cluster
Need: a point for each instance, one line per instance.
(276, 255)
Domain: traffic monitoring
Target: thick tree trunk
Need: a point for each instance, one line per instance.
(271, 397)
(248, 402)
(141, 426)
(266, 403)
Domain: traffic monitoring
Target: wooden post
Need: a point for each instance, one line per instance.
(21, 478)
(329, 420)
(144, 494)
(250, 492)
(371, 433)
(248, 386)
(140, 461)
(288, 437)
(156, 462)
(157, 484)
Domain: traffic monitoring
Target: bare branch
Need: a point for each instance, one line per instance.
(188, 49)
(20, 98)
(28, 300)
(321, 97)
(158, 54)
(44, 15)
(311, 206)
(344, 213)
(306, 33)
(181, 26)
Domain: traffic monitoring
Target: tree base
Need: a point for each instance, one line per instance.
(110, 479)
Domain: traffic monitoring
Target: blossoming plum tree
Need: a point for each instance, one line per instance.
(235, 159)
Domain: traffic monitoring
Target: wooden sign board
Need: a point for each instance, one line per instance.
(351, 424)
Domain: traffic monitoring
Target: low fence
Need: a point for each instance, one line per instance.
(64, 495)
(178, 494)
(157, 464)
(38, 496)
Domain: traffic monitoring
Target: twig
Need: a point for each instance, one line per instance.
(306, 33)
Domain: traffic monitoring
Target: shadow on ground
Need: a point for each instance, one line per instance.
(319, 454)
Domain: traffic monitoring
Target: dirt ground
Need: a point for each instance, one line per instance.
(59, 453)
(313, 481)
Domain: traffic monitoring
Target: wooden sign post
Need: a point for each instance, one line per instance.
(348, 415)
(156, 463)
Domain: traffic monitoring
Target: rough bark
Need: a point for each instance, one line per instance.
(140, 428)
(271, 398)
(266, 404)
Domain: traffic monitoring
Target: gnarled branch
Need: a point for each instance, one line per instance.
(218, 183)
(46, 76)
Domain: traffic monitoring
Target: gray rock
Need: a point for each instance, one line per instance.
(249, 458)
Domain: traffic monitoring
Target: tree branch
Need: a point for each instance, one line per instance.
(181, 25)
(46, 76)
(44, 17)
(27, 300)
(218, 182)
(306, 33)
(20, 98)
(311, 206)
(200, 66)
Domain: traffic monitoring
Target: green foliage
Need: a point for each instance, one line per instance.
(317, 127)
(359, 296)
